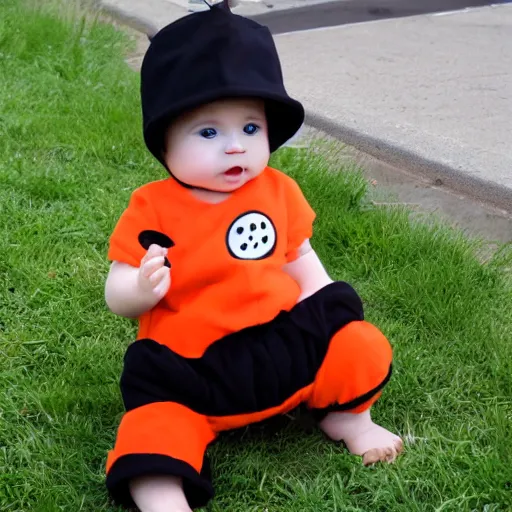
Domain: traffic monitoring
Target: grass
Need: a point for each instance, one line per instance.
(70, 154)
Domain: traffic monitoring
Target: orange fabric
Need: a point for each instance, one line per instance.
(357, 361)
(363, 407)
(213, 293)
(163, 428)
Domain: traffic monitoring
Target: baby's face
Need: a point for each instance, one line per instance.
(219, 146)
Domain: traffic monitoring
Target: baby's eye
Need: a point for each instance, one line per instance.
(251, 129)
(208, 133)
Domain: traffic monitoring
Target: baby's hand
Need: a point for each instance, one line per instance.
(154, 276)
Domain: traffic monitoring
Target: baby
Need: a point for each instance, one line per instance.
(246, 324)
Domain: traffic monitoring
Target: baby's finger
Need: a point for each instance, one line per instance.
(158, 275)
(163, 286)
(150, 266)
(154, 250)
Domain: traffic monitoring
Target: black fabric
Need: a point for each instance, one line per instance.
(207, 56)
(248, 371)
(197, 487)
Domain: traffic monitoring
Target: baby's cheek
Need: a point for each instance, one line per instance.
(262, 159)
(187, 163)
(202, 164)
(263, 149)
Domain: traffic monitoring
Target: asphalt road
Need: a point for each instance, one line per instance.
(355, 11)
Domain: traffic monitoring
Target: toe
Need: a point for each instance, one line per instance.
(386, 454)
(372, 456)
(391, 456)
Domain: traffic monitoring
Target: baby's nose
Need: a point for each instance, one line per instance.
(234, 145)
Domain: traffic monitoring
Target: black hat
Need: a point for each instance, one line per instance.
(211, 55)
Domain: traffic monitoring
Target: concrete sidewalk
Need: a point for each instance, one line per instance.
(431, 94)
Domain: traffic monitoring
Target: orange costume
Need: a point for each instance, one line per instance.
(229, 345)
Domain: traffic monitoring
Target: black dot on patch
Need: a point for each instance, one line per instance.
(265, 239)
(253, 226)
(240, 230)
(243, 247)
(263, 225)
(251, 238)
(255, 245)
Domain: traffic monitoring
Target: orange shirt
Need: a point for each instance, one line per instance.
(227, 259)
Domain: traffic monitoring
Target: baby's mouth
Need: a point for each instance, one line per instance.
(234, 171)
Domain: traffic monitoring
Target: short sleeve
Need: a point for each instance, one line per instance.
(139, 217)
(300, 219)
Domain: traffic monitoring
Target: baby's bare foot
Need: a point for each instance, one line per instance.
(362, 436)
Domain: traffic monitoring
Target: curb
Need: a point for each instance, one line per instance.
(133, 21)
(438, 174)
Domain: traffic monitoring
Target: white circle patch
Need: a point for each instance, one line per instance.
(251, 236)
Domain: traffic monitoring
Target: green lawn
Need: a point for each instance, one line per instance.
(70, 154)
